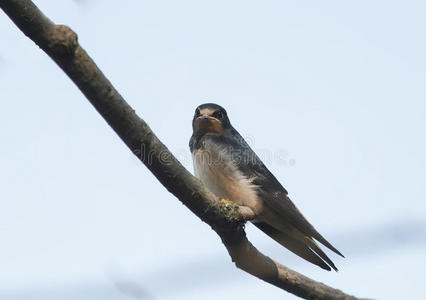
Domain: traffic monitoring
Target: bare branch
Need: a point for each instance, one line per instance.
(61, 44)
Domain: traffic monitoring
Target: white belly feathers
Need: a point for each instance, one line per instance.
(222, 177)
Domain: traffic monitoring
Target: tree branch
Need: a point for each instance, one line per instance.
(61, 44)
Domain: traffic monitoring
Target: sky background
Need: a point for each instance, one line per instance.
(331, 94)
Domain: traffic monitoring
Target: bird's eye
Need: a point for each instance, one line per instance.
(197, 112)
(218, 114)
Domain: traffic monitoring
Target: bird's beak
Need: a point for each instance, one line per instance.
(204, 117)
(207, 124)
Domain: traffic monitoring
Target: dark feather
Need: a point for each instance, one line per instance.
(296, 246)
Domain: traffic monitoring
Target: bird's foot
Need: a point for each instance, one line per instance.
(245, 211)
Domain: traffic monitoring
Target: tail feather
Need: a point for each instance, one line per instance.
(307, 249)
(314, 247)
(323, 241)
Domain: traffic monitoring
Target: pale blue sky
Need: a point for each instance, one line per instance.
(330, 93)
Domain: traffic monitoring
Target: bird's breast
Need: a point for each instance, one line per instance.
(214, 166)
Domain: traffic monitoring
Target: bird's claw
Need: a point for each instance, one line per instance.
(245, 211)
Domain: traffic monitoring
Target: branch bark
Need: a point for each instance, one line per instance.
(61, 44)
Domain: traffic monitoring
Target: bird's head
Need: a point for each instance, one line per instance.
(210, 118)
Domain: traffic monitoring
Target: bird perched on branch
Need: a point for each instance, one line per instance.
(229, 168)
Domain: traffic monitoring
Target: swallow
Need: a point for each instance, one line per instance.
(229, 168)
